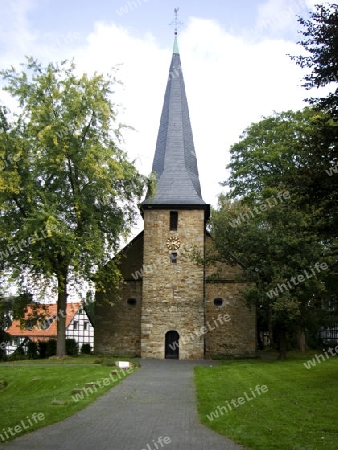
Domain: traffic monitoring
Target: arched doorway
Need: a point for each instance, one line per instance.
(172, 345)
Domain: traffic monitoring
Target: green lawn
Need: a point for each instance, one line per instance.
(298, 412)
(31, 388)
(80, 359)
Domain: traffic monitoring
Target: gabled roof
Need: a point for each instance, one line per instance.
(42, 330)
(175, 162)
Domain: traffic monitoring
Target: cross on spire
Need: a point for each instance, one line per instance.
(176, 23)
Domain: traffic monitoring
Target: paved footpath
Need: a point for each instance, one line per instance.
(158, 400)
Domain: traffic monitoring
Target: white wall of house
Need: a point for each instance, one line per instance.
(13, 344)
(81, 329)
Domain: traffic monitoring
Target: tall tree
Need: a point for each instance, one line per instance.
(320, 41)
(67, 191)
(268, 225)
(295, 152)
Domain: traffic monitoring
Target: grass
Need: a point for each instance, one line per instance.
(81, 359)
(298, 412)
(32, 388)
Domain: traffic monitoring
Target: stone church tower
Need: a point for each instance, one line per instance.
(170, 306)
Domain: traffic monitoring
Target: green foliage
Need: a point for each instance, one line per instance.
(46, 348)
(51, 348)
(290, 151)
(4, 338)
(13, 308)
(32, 350)
(320, 41)
(18, 354)
(68, 193)
(72, 347)
(280, 217)
(85, 349)
(42, 349)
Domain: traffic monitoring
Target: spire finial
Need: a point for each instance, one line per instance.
(176, 23)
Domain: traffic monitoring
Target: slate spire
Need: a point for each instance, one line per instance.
(175, 162)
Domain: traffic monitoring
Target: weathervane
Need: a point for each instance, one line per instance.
(176, 23)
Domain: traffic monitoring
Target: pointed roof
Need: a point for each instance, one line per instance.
(175, 162)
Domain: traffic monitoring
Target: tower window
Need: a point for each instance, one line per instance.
(173, 220)
(173, 258)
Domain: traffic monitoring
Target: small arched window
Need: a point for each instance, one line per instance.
(218, 301)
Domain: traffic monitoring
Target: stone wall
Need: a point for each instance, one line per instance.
(118, 326)
(233, 323)
(173, 294)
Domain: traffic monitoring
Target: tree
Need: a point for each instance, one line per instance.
(268, 225)
(297, 150)
(5, 321)
(321, 43)
(67, 191)
(10, 308)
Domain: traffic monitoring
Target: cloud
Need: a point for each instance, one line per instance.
(275, 16)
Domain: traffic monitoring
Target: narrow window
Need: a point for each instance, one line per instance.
(173, 220)
(75, 325)
(85, 324)
(173, 258)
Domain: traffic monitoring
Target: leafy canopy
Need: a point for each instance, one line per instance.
(67, 191)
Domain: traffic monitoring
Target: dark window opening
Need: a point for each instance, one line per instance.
(218, 301)
(173, 220)
(75, 325)
(131, 301)
(173, 258)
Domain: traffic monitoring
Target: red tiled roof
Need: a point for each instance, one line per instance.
(48, 310)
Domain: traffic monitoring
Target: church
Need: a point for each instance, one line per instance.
(170, 306)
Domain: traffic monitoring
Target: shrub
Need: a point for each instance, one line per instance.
(85, 349)
(17, 355)
(32, 350)
(51, 348)
(42, 347)
(72, 347)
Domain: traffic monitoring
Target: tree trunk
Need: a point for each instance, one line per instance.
(282, 344)
(301, 341)
(61, 316)
(270, 327)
